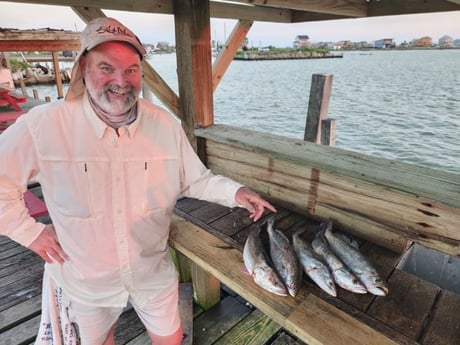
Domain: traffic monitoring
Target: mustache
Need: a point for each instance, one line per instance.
(118, 89)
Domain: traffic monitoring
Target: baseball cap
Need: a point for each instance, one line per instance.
(99, 30)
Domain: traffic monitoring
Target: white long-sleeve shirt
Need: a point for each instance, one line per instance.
(110, 197)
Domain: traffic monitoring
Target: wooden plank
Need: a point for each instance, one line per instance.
(298, 188)
(210, 326)
(405, 310)
(422, 181)
(317, 322)
(23, 333)
(396, 210)
(286, 339)
(226, 55)
(20, 312)
(226, 264)
(254, 329)
(339, 7)
(129, 326)
(444, 325)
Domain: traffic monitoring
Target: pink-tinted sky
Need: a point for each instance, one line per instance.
(153, 28)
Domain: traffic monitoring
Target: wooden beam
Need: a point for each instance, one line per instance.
(36, 45)
(396, 7)
(226, 55)
(217, 9)
(338, 7)
(193, 51)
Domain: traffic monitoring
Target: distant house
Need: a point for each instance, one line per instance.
(446, 42)
(301, 41)
(422, 42)
(384, 43)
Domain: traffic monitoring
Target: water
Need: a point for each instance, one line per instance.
(401, 105)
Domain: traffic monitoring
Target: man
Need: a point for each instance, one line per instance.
(111, 167)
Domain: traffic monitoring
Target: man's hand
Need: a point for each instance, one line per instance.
(47, 246)
(252, 202)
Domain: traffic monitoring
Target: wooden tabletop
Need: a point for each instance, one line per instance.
(414, 312)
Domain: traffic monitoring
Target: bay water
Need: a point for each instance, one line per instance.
(394, 104)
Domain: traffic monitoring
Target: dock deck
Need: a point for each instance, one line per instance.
(414, 312)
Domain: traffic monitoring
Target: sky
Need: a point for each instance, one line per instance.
(154, 28)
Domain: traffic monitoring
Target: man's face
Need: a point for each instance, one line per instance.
(113, 78)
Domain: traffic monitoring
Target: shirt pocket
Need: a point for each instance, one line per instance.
(77, 189)
(152, 184)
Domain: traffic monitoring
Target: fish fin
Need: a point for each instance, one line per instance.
(245, 271)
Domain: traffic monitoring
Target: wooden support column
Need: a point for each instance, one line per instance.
(318, 105)
(57, 74)
(227, 54)
(193, 44)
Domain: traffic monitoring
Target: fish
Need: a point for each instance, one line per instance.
(341, 274)
(284, 258)
(257, 264)
(313, 265)
(356, 262)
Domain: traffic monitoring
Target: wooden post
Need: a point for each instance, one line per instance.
(328, 135)
(206, 288)
(320, 92)
(23, 86)
(193, 51)
(57, 74)
(35, 92)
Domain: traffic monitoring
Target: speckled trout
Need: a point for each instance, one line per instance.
(342, 275)
(356, 262)
(313, 265)
(257, 264)
(284, 258)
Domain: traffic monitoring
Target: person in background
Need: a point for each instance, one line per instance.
(111, 167)
(6, 79)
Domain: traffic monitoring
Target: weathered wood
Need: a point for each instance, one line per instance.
(285, 339)
(128, 326)
(257, 327)
(328, 132)
(317, 322)
(318, 106)
(186, 312)
(20, 312)
(225, 263)
(444, 325)
(206, 288)
(367, 195)
(193, 50)
(297, 187)
(57, 73)
(414, 303)
(218, 320)
(227, 54)
(23, 333)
